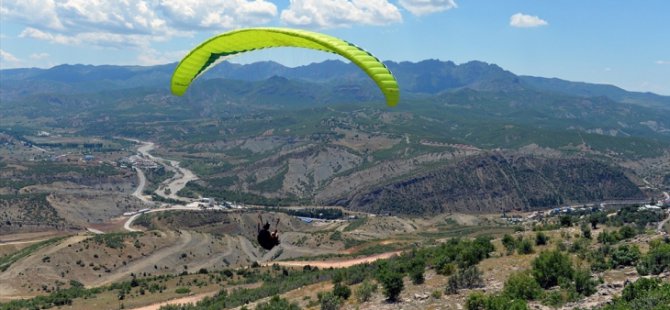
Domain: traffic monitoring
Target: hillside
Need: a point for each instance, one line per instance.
(267, 134)
(498, 182)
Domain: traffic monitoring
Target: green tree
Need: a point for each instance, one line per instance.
(416, 270)
(541, 238)
(391, 281)
(522, 285)
(549, 266)
(341, 291)
(566, 221)
(584, 284)
(625, 255)
(509, 243)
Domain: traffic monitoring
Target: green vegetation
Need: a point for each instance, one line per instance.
(481, 301)
(114, 240)
(277, 303)
(365, 291)
(391, 281)
(657, 259)
(8, 260)
(522, 285)
(643, 294)
(272, 184)
(355, 224)
(550, 266)
(465, 278)
(317, 213)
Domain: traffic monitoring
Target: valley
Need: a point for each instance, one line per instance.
(126, 197)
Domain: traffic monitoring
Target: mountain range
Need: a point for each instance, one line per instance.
(424, 77)
(320, 133)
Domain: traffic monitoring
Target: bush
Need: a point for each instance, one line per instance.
(525, 247)
(627, 232)
(586, 231)
(509, 243)
(392, 282)
(566, 221)
(643, 294)
(365, 291)
(341, 291)
(277, 303)
(625, 255)
(522, 285)
(329, 301)
(182, 290)
(656, 260)
(469, 277)
(541, 238)
(584, 285)
(480, 301)
(416, 270)
(549, 266)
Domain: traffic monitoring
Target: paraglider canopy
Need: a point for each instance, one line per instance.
(239, 41)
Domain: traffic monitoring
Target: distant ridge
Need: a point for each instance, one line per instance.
(424, 77)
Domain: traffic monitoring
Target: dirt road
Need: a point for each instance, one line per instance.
(337, 263)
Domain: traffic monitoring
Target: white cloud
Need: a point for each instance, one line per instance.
(8, 57)
(340, 13)
(7, 60)
(39, 56)
(217, 14)
(140, 22)
(526, 21)
(423, 7)
(663, 62)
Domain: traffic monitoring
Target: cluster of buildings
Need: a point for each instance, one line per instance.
(139, 162)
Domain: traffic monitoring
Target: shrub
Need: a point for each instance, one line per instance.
(566, 221)
(584, 285)
(549, 266)
(522, 285)
(182, 290)
(341, 291)
(480, 301)
(277, 303)
(392, 282)
(625, 255)
(656, 260)
(509, 243)
(416, 270)
(469, 277)
(525, 247)
(586, 231)
(627, 232)
(365, 291)
(541, 238)
(329, 301)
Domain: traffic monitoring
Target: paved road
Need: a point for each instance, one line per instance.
(127, 225)
(140, 186)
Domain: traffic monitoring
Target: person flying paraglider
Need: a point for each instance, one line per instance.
(267, 239)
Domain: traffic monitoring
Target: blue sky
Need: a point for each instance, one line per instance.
(624, 43)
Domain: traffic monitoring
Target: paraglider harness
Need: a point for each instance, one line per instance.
(265, 238)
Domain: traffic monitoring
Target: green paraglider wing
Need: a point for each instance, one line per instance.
(245, 40)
